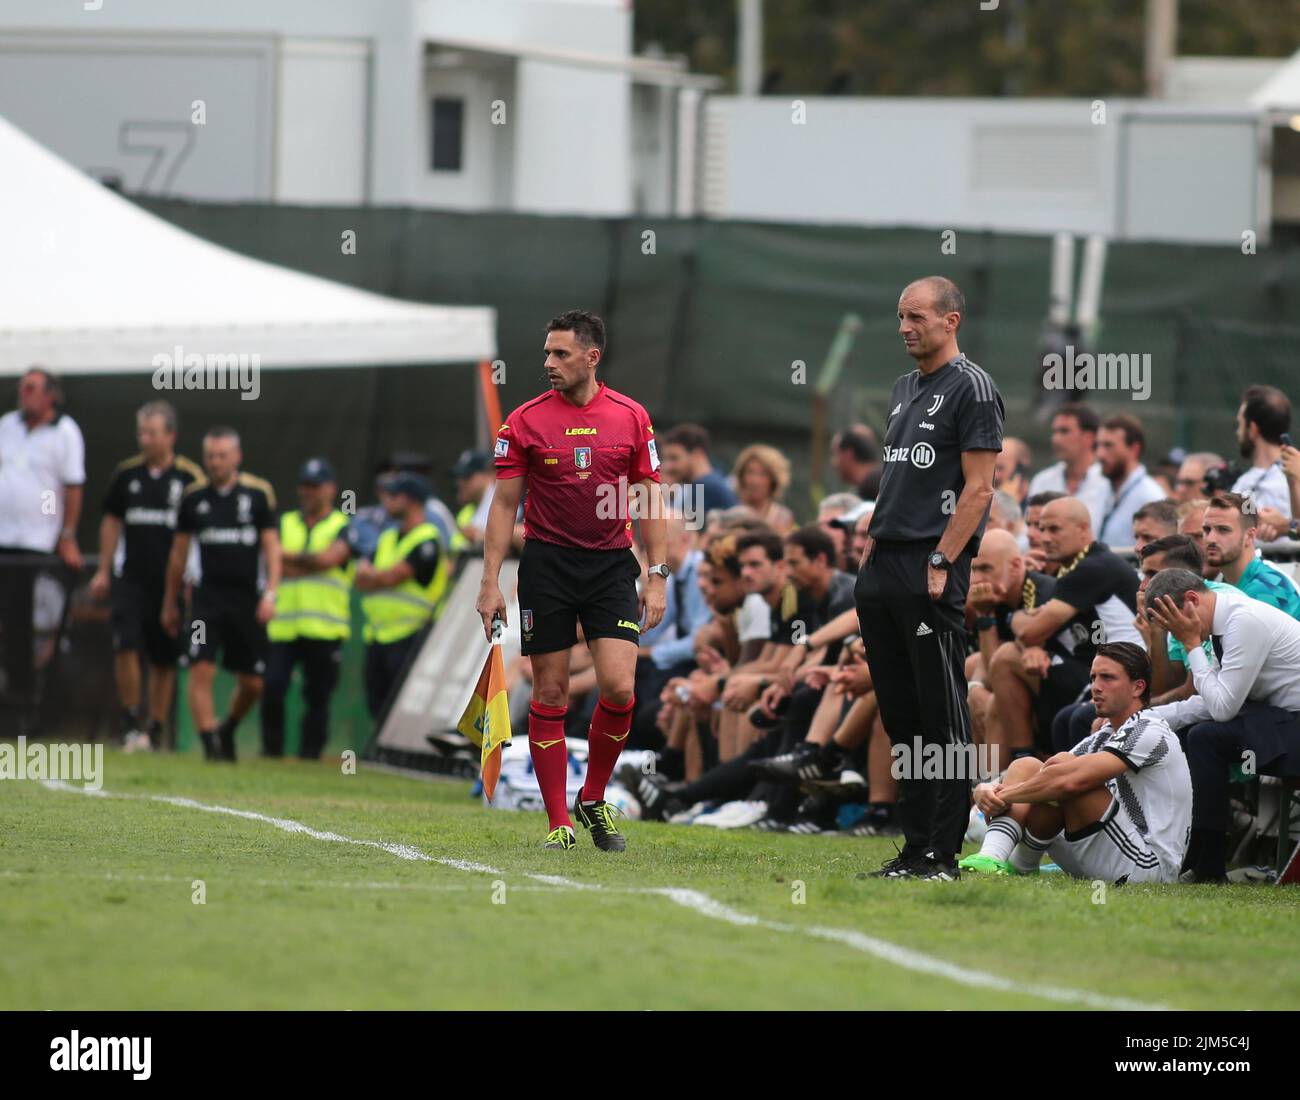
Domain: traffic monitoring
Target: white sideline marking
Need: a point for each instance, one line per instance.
(568, 883)
(901, 956)
(280, 883)
(401, 851)
(697, 902)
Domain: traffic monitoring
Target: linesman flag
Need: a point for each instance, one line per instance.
(486, 720)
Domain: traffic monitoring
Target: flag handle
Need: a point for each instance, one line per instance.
(498, 628)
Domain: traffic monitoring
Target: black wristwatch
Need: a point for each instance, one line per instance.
(985, 622)
(938, 561)
(1293, 529)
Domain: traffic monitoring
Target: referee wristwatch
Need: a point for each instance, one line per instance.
(938, 561)
(660, 571)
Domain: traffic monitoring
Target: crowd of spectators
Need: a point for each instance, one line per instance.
(754, 692)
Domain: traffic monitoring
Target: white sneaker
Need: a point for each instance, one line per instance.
(688, 817)
(976, 827)
(137, 741)
(745, 814)
(717, 816)
(734, 815)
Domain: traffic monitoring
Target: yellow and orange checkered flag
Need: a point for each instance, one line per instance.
(486, 720)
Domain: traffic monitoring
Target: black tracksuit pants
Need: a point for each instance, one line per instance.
(916, 649)
(320, 672)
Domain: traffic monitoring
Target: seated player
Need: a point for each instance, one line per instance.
(1001, 584)
(1046, 668)
(1118, 807)
(1154, 520)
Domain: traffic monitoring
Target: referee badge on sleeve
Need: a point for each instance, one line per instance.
(503, 448)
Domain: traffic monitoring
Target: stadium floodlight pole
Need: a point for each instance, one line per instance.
(1062, 284)
(685, 181)
(1092, 276)
(1058, 333)
(1161, 45)
(827, 380)
(749, 46)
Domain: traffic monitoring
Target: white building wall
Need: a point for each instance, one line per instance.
(572, 142)
(163, 115)
(1138, 171)
(271, 150)
(555, 108)
(322, 120)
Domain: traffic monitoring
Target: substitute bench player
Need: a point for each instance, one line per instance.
(1116, 808)
(580, 450)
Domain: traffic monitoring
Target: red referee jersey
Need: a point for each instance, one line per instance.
(581, 463)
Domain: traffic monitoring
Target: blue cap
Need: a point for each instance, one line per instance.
(472, 462)
(404, 481)
(316, 471)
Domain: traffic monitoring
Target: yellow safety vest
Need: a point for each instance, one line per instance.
(315, 605)
(458, 541)
(396, 613)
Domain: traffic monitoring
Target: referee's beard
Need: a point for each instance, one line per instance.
(568, 386)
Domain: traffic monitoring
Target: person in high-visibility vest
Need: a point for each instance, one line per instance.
(476, 477)
(402, 587)
(313, 616)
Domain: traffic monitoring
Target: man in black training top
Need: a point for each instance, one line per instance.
(232, 517)
(944, 431)
(135, 541)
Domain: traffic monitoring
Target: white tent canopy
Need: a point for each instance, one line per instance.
(91, 283)
(1282, 91)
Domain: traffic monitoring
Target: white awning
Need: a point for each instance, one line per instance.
(641, 70)
(1281, 92)
(92, 283)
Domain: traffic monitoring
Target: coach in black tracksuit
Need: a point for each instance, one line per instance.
(944, 432)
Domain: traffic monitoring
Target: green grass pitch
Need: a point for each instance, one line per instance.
(97, 911)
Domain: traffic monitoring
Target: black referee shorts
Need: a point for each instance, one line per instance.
(229, 627)
(562, 585)
(136, 621)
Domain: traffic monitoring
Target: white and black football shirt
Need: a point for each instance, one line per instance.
(1156, 788)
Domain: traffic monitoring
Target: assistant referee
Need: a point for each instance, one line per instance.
(581, 448)
(944, 433)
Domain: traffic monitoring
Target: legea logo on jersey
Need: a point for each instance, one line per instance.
(582, 457)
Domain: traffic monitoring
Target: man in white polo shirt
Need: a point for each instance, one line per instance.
(1078, 473)
(1246, 709)
(1121, 443)
(42, 473)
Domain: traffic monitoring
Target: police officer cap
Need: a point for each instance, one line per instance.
(413, 485)
(471, 462)
(316, 471)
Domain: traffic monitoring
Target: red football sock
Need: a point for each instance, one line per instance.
(606, 738)
(550, 760)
